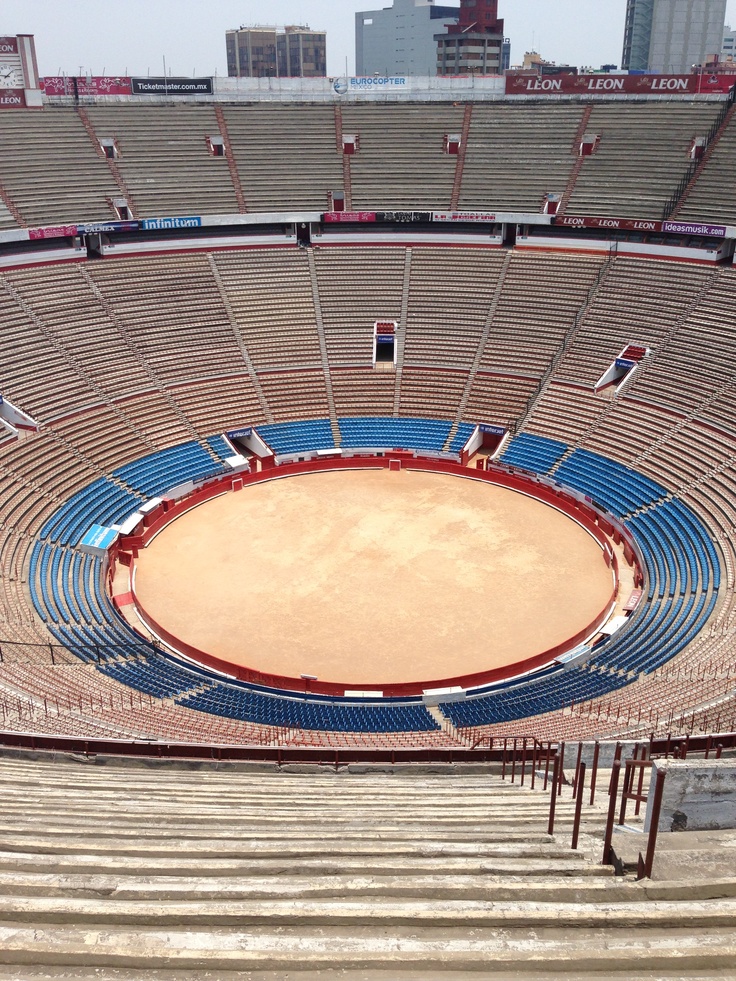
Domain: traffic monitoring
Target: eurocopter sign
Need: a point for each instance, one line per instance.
(369, 83)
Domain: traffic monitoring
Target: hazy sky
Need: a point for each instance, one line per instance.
(135, 35)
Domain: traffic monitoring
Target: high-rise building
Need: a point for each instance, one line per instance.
(273, 52)
(671, 36)
(728, 49)
(399, 40)
(475, 43)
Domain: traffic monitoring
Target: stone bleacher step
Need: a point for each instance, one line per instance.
(209, 838)
(342, 788)
(237, 792)
(326, 913)
(312, 846)
(203, 807)
(492, 819)
(213, 800)
(459, 812)
(522, 950)
(437, 885)
(50, 973)
(298, 847)
(427, 861)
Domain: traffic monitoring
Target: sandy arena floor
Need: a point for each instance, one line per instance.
(370, 577)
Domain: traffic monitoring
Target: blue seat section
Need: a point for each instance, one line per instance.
(67, 593)
(300, 713)
(155, 676)
(617, 488)
(298, 437)
(220, 447)
(535, 453)
(684, 578)
(533, 698)
(101, 502)
(410, 434)
(692, 533)
(464, 432)
(152, 475)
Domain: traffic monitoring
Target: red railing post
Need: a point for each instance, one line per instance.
(578, 807)
(553, 796)
(594, 771)
(523, 761)
(628, 780)
(613, 792)
(577, 771)
(646, 864)
(546, 765)
(640, 786)
(513, 763)
(534, 763)
(561, 767)
(616, 758)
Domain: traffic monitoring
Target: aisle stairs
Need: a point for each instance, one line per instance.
(147, 870)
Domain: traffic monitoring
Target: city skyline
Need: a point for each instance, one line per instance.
(189, 37)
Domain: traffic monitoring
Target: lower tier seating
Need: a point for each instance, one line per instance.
(682, 565)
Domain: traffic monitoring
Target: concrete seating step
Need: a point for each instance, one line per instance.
(452, 885)
(234, 841)
(284, 846)
(520, 950)
(430, 861)
(293, 914)
(50, 973)
(143, 872)
(265, 831)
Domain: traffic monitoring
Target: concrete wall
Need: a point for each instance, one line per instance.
(606, 754)
(699, 796)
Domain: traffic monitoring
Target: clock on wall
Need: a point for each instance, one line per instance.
(11, 76)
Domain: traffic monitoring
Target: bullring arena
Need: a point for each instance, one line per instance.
(368, 535)
(372, 576)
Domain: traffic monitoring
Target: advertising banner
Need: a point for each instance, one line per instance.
(340, 216)
(97, 227)
(695, 84)
(12, 99)
(370, 83)
(694, 228)
(404, 216)
(388, 216)
(86, 85)
(641, 225)
(55, 231)
(464, 216)
(171, 86)
(159, 224)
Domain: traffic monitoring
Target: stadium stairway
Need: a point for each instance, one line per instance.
(124, 870)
